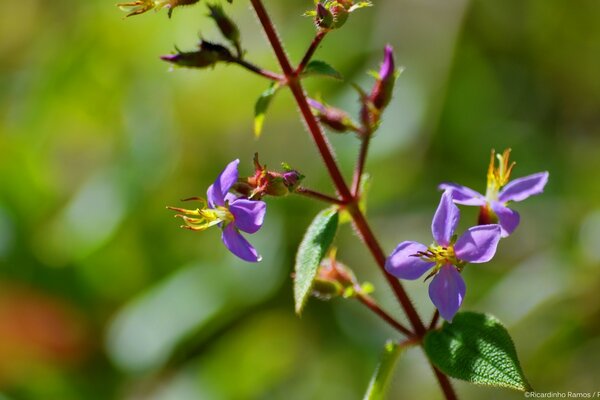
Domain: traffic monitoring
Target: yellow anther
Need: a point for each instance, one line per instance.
(203, 218)
(499, 176)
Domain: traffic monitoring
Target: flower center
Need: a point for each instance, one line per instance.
(498, 176)
(440, 255)
(203, 218)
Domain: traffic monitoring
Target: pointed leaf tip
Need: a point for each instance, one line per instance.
(261, 106)
(313, 248)
(317, 67)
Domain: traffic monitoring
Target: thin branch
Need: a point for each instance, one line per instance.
(311, 51)
(319, 196)
(360, 164)
(434, 320)
(344, 192)
(258, 70)
(445, 384)
(373, 306)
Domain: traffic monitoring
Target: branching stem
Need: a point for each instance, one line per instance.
(344, 193)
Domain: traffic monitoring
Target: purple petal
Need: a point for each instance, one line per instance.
(387, 69)
(403, 265)
(317, 105)
(478, 244)
(445, 220)
(217, 191)
(522, 188)
(463, 195)
(447, 291)
(507, 218)
(238, 245)
(249, 215)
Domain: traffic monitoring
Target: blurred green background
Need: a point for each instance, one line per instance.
(102, 296)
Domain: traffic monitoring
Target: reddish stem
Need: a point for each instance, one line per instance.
(445, 384)
(434, 320)
(326, 152)
(360, 164)
(258, 70)
(373, 306)
(311, 51)
(319, 196)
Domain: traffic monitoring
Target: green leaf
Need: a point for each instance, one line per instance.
(365, 185)
(315, 244)
(478, 349)
(261, 106)
(321, 68)
(381, 378)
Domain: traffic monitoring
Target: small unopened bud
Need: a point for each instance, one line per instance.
(291, 179)
(324, 18)
(336, 119)
(381, 94)
(333, 278)
(208, 55)
(265, 182)
(340, 14)
(227, 27)
(384, 87)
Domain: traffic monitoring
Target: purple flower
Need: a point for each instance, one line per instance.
(233, 214)
(448, 256)
(499, 193)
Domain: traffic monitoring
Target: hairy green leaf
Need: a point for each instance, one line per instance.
(313, 247)
(476, 348)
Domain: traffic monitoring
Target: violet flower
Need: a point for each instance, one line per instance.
(448, 256)
(499, 193)
(231, 213)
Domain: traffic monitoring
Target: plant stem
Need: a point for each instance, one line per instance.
(311, 51)
(326, 152)
(445, 384)
(434, 320)
(373, 306)
(319, 196)
(371, 242)
(296, 88)
(360, 164)
(257, 70)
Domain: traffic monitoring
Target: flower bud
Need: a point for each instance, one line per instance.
(208, 55)
(265, 182)
(340, 14)
(227, 27)
(333, 279)
(381, 94)
(384, 87)
(323, 18)
(336, 119)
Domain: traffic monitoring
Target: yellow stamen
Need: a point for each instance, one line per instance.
(499, 176)
(206, 217)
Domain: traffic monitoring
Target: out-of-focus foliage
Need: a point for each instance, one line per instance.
(102, 296)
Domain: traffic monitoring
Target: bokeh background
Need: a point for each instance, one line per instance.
(102, 296)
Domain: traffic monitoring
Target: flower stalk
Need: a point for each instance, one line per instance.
(342, 188)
